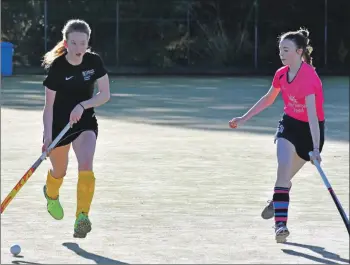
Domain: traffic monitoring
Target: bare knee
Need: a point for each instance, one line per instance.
(285, 155)
(284, 172)
(84, 147)
(283, 175)
(59, 161)
(85, 164)
(58, 172)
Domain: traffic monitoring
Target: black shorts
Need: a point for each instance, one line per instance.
(299, 134)
(87, 123)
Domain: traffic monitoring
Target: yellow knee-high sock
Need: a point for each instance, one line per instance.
(53, 185)
(85, 191)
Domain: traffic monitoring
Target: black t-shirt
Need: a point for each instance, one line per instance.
(73, 84)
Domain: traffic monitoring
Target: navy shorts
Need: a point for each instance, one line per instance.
(298, 133)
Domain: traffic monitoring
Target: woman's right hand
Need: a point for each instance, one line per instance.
(46, 144)
(235, 122)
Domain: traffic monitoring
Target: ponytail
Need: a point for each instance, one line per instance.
(308, 49)
(307, 55)
(56, 52)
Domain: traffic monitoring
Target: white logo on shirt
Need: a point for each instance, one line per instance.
(297, 107)
(293, 99)
(87, 74)
(68, 78)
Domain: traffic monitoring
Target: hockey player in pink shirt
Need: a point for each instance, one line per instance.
(301, 128)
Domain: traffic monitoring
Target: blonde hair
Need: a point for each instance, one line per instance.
(73, 25)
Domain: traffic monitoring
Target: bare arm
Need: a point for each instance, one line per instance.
(102, 96)
(263, 103)
(48, 112)
(313, 120)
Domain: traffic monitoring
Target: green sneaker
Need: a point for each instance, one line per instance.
(82, 226)
(54, 207)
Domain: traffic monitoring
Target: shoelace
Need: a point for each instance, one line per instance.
(280, 226)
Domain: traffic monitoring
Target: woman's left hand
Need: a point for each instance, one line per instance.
(316, 156)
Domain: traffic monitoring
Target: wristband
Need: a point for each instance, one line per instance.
(82, 106)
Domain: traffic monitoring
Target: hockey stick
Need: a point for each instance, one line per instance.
(331, 191)
(31, 170)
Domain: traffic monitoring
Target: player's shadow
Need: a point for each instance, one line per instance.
(88, 255)
(19, 262)
(330, 257)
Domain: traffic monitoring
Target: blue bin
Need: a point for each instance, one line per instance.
(6, 58)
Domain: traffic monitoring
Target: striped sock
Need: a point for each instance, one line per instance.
(280, 204)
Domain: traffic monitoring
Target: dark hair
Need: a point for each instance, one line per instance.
(301, 40)
(73, 25)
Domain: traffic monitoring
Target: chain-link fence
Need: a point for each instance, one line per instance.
(203, 36)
